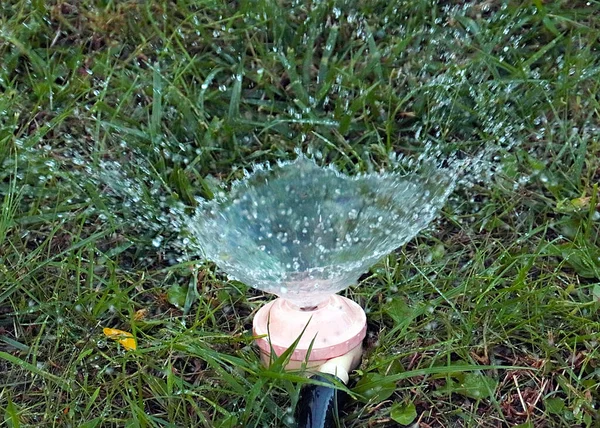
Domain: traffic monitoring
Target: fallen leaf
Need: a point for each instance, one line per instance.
(125, 338)
(581, 203)
(140, 314)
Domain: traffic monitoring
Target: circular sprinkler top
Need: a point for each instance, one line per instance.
(304, 232)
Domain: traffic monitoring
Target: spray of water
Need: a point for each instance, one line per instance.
(303, 232)
(300, 229)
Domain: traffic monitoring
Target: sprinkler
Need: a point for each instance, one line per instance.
(305, 232)
(329, 336)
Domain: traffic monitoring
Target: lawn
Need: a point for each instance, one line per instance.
(115, 114)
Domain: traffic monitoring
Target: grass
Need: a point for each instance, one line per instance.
(489, 318)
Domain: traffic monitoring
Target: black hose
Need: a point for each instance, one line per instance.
(318, 405)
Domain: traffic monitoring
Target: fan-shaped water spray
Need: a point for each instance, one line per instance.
(304, 232)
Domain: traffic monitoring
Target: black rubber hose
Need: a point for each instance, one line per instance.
(318, 405)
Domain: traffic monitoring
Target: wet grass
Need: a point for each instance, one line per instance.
(490, 318)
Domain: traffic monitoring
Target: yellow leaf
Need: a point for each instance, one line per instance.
(123, 337)
(140, 315)
(129, 344)
(113, 333)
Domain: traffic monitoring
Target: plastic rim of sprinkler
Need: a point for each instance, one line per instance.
(333, 328)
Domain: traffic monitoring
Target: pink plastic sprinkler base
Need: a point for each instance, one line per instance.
(337, 326)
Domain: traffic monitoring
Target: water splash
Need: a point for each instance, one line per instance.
(303, 232)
